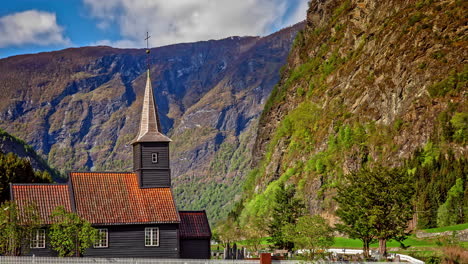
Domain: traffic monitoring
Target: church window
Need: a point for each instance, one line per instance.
(151, 236)
(154, 157)
(38, 238)
(102, 240)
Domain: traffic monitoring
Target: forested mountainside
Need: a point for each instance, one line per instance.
(19, 163)
(79, 108)
(12, 144)
(367, 83)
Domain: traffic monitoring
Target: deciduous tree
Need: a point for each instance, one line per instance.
(70, 235)
(16, 227)
(312, 233)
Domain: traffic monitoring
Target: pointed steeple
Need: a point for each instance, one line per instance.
(150, 126)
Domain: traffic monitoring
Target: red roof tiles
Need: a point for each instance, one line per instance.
(194, 224)
(47, 197)
(116, 198)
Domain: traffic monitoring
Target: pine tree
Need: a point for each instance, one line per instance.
(376, 203)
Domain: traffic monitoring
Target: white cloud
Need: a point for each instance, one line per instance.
(192, 20)
(31, 27)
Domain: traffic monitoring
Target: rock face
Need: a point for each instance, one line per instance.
(79, 107)
(366, 82)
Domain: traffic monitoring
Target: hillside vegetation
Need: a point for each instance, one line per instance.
(368, 83)
(19, 163)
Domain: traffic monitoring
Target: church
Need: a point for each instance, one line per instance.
(134, 212)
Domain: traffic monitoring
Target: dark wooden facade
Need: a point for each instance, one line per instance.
(126, 241)
(151, 174)
(39, 252)
(195, 248)
(129, 241)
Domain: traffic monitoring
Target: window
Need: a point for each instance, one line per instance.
(38, 238)
(151, 236)
(102, 239)
(154, 157)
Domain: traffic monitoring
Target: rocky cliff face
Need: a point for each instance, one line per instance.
(80, 107)
(366, 82)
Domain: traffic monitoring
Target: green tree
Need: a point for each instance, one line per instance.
(69, 234)
(287, 210)
(451, 212)
(355, 220)
(312, 233)
(16, 227)
(384, 195)
(14, 169)
(228, 231)
(254, 232)
(433, 181)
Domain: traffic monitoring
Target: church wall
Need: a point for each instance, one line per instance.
(136, 157)
(129, 241)
(125, 241)
(156, 178)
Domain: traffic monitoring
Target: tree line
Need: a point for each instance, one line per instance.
(375, 204)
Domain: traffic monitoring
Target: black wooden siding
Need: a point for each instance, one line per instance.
(126, 241)
(129, 241)
(39, 252)
(163, 155)
(156, 178)
(195, 248)
(136, 157)
(152, 174)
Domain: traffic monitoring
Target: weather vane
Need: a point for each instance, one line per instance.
(147, 49)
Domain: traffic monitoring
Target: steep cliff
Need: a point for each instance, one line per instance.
(367, 82)
(79, 107)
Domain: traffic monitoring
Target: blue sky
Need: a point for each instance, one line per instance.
(31, 26)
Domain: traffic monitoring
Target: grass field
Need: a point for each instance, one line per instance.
(447, 228)
(414, 243)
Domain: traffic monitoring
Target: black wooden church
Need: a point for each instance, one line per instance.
(134, 212)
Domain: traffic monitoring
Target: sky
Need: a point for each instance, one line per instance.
(31, 26)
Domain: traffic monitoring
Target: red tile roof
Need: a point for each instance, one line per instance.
(46, 197)
(116, 198)
(194, 224)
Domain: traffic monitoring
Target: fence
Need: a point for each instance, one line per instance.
(56, 260)
(72, 260)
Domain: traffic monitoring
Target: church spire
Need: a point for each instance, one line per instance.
(150, 126)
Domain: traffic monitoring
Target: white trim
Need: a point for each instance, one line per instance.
(38, 240)
(150, 231)
(98, 243)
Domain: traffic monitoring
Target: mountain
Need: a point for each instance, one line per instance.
(366, 83)
(79, 108)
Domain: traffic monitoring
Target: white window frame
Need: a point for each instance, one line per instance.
(102, 242)
(152, 237)
(154, 157)
(38, 238)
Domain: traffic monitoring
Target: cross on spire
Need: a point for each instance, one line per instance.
(147, 50)
(147, 37)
